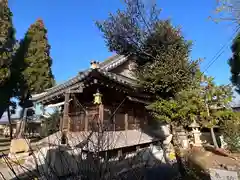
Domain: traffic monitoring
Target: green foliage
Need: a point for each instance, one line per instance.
(234, 63)
(36, 75)
(231, 132)
(160, 51)
(203, 102)
(217, 101)
(7, 41)
(52, 123)
(182, 110)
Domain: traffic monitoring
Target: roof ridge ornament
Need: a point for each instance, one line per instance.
(94, 65)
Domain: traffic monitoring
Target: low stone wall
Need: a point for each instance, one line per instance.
(61, 161)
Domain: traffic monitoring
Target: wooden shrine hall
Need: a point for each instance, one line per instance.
(105, 97)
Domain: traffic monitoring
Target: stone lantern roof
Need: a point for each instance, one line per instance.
(194, 124)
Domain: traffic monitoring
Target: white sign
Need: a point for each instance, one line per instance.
(218, 174)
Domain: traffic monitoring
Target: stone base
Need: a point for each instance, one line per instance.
(17, 156)
(185, 144)
(19, 146)
(197, 144)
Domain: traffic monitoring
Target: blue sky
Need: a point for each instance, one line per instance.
(75, 40)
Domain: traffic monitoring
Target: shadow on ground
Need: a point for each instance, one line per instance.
(69, 166)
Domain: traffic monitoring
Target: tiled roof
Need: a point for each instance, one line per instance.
(104, 67)
(113, 62)
(74, 83)
(109, 60)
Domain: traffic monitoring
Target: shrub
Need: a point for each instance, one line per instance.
(231, 132)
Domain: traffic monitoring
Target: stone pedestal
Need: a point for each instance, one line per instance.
(196, 136)
(19, 146)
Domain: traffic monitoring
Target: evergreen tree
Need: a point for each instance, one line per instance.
(162, 53)
(205, 102)
(36, 68)
(7, 41)
(36, 74)
(234, 63)
(217, 104)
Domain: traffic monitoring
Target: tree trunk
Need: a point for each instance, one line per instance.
(21, 129)
(5, 99)
(10, 123)
(214, 138)
(212, 130)
(1, 112)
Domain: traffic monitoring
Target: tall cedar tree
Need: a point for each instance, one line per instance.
(161, 52)
(36, 73)
(234, 63)
(7, 41)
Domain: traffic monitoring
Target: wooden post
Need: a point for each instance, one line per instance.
(65, 112)
(61, 123)
(65, 119)
(126, 121)
(86, 121)
(135, 118)
(114, 123)
(106, 155)
(146, 120)
(101, 112)
(119, 153)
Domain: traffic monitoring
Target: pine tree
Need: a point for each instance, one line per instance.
(36, 74)
(7, 41)
(234, 63)
(162, 53)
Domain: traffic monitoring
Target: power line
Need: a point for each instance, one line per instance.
(221, 50)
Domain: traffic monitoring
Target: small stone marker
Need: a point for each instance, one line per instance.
(218, 174)
(19, 145)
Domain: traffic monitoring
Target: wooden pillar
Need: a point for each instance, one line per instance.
(114, 122)
(126, 121)
(101, 112)
(135, 118)
(86, 121)
(65, 119)
(145, 120)
(119, 153)
(61, 123)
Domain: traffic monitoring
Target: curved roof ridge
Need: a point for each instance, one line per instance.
(105, 66)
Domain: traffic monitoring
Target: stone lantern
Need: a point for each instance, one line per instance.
(196, 133)
(97, 98)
